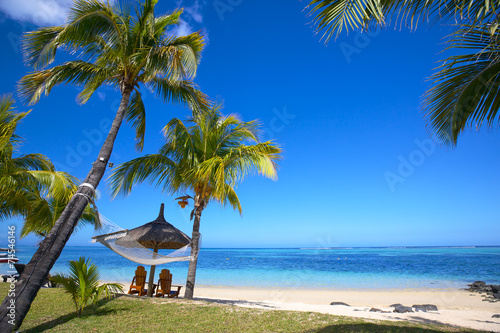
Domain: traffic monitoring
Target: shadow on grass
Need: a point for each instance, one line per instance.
(370, 327)
(89, 311)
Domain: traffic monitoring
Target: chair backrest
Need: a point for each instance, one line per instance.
(140, 276)
(165, 281)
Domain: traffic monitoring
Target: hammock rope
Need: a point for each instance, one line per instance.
(117, 240)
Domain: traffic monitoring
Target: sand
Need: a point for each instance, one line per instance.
(455, 307)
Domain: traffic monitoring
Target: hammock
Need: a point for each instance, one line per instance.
(117, 240)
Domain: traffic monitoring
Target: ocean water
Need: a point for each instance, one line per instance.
(344, 268)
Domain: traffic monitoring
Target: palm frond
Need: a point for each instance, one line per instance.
(136, 114)
(465, 89)
(76, 72)
(127, 174)
(181, 92)
(334, 16)
(39, 47)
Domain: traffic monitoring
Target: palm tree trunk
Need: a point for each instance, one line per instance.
(195, 247)
(18, 302)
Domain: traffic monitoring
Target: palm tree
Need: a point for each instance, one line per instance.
(22, 178)
(83, 284)
(117, 49)
(29, 185)
(207, 159)
(464, 91)
(45, 210)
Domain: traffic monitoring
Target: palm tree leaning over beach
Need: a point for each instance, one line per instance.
(207, 159)
(29, 185)
(117, 49)
(464, 90)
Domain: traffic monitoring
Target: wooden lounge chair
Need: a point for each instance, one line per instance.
(165, 285)
(139, 282)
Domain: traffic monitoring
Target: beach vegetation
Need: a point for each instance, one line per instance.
(207, 157)
(463, 91)
(53, 312)
(122, 45)
(30, 187)
(82, 284)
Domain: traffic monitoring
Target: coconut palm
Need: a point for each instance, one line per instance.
(464, 90)
(114, 48)
(29, 185)
(334, 16)
(83, 284)
(207, 159)
(22, 178)
(45, 210)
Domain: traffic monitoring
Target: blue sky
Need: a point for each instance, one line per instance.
(359, 168)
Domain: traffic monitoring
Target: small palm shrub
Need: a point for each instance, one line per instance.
(83, 284)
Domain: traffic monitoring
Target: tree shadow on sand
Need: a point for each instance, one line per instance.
(372, 327)
(89, 311)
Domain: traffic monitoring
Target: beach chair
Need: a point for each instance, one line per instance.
(165, 286)
(139, 282)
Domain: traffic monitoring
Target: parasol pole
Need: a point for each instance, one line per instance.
(152, 274)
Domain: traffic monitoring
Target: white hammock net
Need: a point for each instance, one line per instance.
(116, 239)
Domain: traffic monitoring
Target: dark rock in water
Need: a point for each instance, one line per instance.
(481, 287)
(375, 310)
(339, 303)
(395, 305)
(425, 307)
(496, 316)
(491, 291)
(477, 286)
(402, 309)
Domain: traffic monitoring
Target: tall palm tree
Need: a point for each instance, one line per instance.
(29, 185)
(118, 49)
(464, 90)
(207, 159)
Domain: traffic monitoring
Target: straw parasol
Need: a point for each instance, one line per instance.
(158, 234)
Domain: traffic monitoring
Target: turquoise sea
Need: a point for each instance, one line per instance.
(340, 268)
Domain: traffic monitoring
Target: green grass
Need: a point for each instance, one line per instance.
(53, 311)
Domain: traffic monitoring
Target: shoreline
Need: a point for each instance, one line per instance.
(455, 307)
(459, 308)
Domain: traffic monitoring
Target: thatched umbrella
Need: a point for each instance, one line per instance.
(158, 234)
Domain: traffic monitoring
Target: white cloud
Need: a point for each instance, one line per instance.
(39, 12)
(194, 11)
(192, 17)
(182, 29)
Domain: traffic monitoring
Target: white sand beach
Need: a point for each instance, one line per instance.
(455, 307)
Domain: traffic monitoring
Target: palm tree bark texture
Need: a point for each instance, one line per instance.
(17, 304)
(195, 248)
